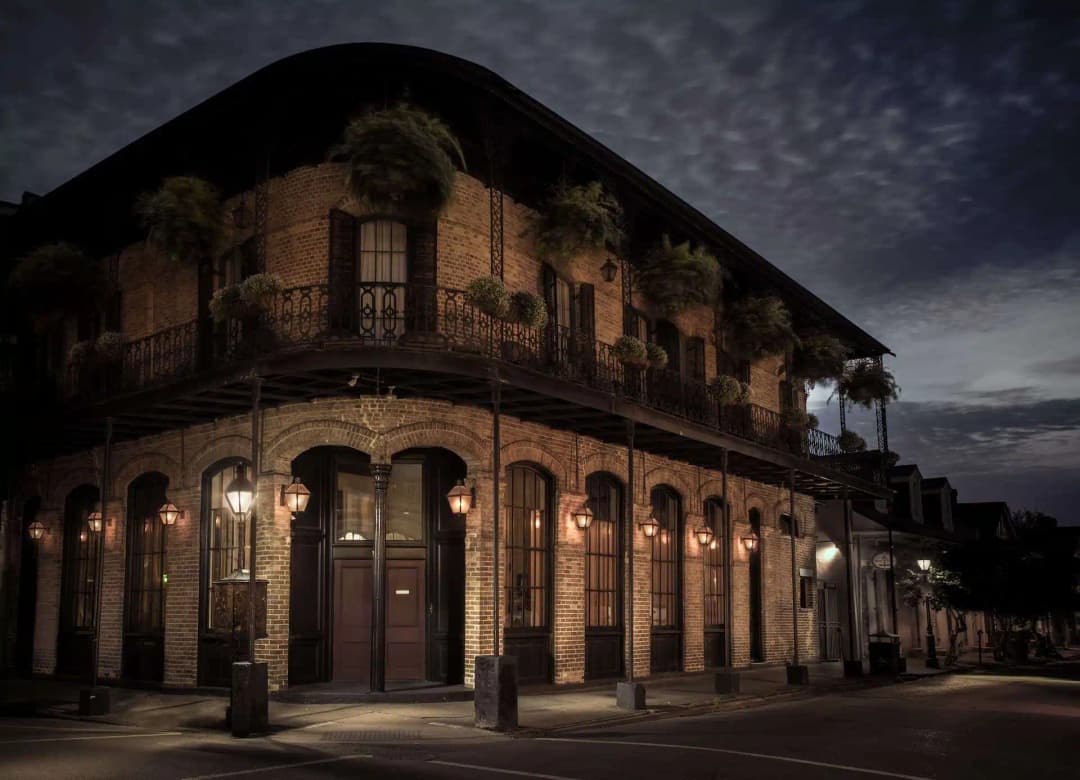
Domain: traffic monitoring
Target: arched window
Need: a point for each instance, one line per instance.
(527, 548)
(79, 583)
(666, 558)
(144, 615)
(714, 564)
(603, 552)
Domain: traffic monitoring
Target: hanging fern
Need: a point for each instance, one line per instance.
(865, 382)
(761, 326)
(528, 309)
(676, 276)
(401, 160)
(819, 358)
(488, 294)
(658, 357)
(631, 351)
(577, 219)
(849, 441)
(55, 277)
(730, 390)
(183, 218)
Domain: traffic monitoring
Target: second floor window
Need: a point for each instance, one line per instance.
(570, 307)
(695, 359)
(382, 253)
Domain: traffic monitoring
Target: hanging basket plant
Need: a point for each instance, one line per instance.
(676, 276)
(55, 278)
(730, 391)
(489, 295)
(258, 291)
(849, 441)
(631, 352)
(400, 160)
(528, 309)
(658, 357)
(578, 219)
(866, 382)
(227, 304)
(761, 326)
(183, 218)
(800, 420)
(109, 347)
(819, 358)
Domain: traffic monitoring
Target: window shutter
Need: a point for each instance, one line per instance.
(586, 307)
(341, 275)
(548, 281)
(695, 358)
(249, 259)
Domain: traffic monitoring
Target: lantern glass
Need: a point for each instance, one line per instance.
(168, 513)
(704, 535)
(460, 498)
(583, 517)
(750, 542)
(650, 527)
(95, 521)
(924, 564)
(608, 270)
(36, 530)
(297, 496)
(240, 492)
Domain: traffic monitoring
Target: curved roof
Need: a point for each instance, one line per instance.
(295, 108)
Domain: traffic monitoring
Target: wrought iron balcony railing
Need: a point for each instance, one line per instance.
(417, 317)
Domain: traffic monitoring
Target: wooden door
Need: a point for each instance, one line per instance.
(828, 606)
(352, 620)
(405, 619)
(143, 652)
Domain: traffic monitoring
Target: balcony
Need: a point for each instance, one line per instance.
(425, 320)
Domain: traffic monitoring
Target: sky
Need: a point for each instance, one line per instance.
(914, 164)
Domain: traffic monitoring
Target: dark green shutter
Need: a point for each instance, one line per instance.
(586, 309)
(341, 275)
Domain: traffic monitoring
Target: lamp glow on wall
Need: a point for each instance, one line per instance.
(583, 516)
(650, 527)
(460, 499)
(827, 551)
(750, 542)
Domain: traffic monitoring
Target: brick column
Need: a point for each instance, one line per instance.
(113, 581)
(181, 614)
(642, 595)
(478, 561)
(47, 615)
(740, 594)
(693, 616)
(273, 543)
(569, 597)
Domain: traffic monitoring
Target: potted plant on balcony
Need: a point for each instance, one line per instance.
(866, 382)
(730, 391)
(818, 358)
(676, 276)
(183, 218)
(849, 441)
(109, 348)
(489, 295)
(658, 357)
(576, 219)
(54, 278)
(528, 310)
(400, 160)
(761, 326)
(631, 352)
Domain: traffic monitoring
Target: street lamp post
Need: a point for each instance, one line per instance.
(931, 645)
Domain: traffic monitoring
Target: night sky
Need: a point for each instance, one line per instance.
(916, 165)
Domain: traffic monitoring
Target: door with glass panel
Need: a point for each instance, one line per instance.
(381, 277)
(713, 565)
(666, 581)
(527, 572)
(78, 585)
(603, 578)
(143, 655)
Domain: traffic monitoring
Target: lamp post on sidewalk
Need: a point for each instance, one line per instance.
(931, 646)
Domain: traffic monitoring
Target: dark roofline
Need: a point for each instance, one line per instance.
(935, 482)
(666, 202)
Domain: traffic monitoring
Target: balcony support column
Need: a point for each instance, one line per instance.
(853, 663)
(797, 673)
(380, 474)
(629, 695)
(727, 679)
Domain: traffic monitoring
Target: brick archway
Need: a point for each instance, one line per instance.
(301, 437)
(529, 451)
(140, 464)
(457, 439)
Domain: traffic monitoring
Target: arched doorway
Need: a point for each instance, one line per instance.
(79, 582)
(332, 576)
(713, 571)
(224, 553)
(528, 535)
(603, 578)
(757, 644)
(666, 556)
(143, 656)
(26, 619)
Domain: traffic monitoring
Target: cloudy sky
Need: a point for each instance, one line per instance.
(915, 164)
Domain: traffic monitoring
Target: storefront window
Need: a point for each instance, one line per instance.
(405, 503)
(228, 546)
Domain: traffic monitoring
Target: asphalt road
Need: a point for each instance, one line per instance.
(946, 727)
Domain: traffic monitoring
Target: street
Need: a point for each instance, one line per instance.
(952, 726)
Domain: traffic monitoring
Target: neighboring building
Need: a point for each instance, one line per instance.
(380, 389)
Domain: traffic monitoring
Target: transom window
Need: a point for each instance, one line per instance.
(227, 544)
(714, 564)
(602, 552)
(527, 548)
(666, 554)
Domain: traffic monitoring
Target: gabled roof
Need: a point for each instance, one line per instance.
(289, 113)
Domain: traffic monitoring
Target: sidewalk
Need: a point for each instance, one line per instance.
(547, 710)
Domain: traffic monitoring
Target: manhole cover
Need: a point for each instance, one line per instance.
(370, 736)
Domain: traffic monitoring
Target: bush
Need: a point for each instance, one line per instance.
(819, 358)
(183, 218)
(528, 309)
(658, 357)
(676, 276)
(488, 294)
(849, 441)
(401, 160)
(731, 391)
(631, 351)
(109, 347)
(577, 219)
(761, 326)
(866, 382)
(55, 277)
(259, 290)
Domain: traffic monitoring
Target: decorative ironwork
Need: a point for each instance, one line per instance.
(882, 427)
(262, 208)
(496, 197)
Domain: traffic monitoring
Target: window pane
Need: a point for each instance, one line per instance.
(355, 507)
(227, 541)
(405, 503)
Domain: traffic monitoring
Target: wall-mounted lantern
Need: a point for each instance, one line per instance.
(94, 519)
(169, 514)
(650, 527)
(609, 269)
(750, 542)
(924, 564)
(460, 498)
(583, 516)
(295, 496)
(36, 530)
(704, 535)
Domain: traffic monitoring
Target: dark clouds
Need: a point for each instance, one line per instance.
(913, 163)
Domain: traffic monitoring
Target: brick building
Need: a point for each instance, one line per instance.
(380, 399)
